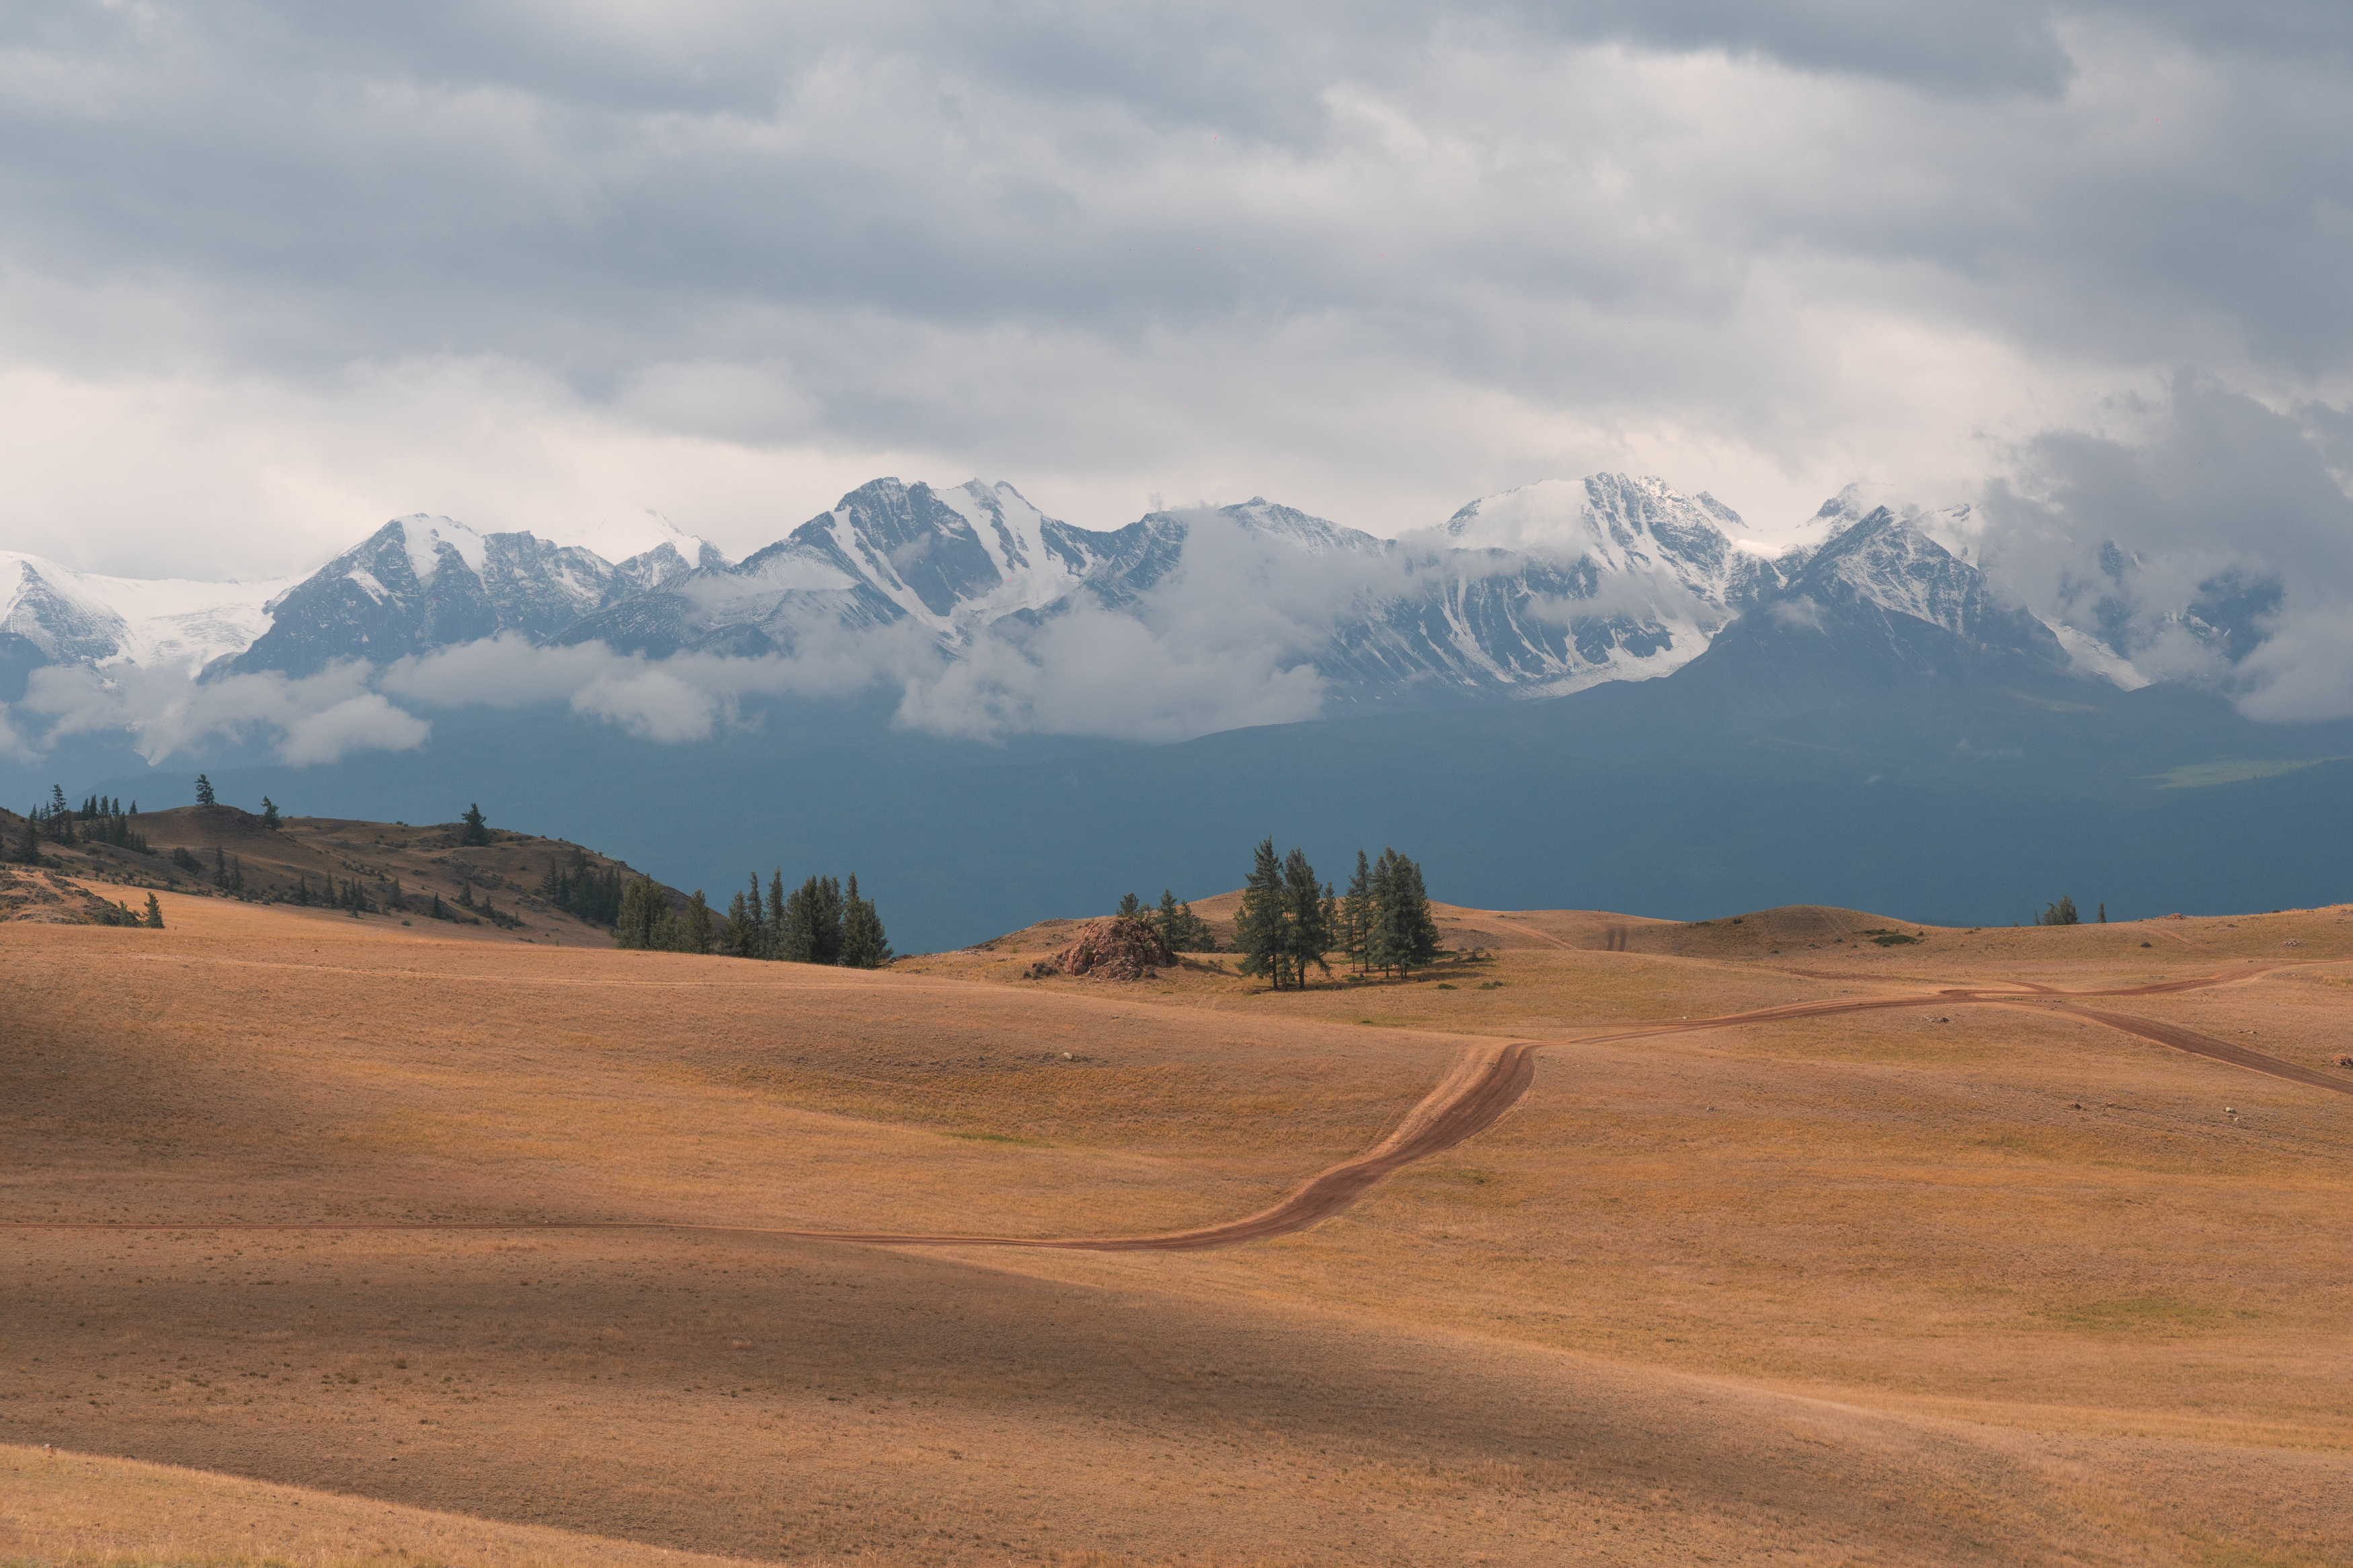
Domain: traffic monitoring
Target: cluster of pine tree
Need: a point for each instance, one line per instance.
(1385, 922)
(1286, 919)
(351, 896)
(580, 890)
(647, 920)
(821, 921)
(1179, 926)
(107, 823)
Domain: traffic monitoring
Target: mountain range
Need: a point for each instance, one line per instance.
(1536, 592)
(1600, 693)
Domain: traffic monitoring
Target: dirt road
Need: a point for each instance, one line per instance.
(1483, 1084)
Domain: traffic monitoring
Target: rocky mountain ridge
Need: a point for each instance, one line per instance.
(1535, 592)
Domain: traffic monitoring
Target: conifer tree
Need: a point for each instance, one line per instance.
(1307, 935)
(269, 812)
(810, 932)
(1180, 928)
(29, 848)
(1421, 926)
(56, 801)
(204, 790)
(154, 914)
(1259, 935)
(2104, 914)
(1385, 939)
(1356, 913)
(642, 910)
(697, 924)
(474, 831)
(1130, 906)
(863, 945)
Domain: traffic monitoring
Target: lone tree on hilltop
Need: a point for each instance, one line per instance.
(269, 812)
(2062, 913)
(204, 791)
(473, 831)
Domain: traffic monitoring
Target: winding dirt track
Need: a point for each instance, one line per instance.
(1483, 1083)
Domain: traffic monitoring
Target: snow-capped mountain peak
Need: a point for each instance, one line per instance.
(1957, 528)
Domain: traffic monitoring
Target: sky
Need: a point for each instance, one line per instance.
(272, 273)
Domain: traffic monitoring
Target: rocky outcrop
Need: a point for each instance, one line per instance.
(1117, 947)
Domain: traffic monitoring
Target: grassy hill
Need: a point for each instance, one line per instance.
(398, 871)
(472, 1227)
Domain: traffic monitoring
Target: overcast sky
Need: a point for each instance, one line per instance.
(272, 273)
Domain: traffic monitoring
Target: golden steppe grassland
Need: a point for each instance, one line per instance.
(1961, 1282)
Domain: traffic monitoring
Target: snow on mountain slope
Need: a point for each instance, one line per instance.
(1551, 588)
(421, 582)
(81, 617)
(1535, 592)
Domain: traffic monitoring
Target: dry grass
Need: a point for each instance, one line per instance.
(2010, 1289)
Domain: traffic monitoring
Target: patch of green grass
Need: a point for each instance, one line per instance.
(1445, 985)
(2155, 1312)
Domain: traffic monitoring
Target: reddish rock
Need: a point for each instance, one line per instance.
(1117, 947)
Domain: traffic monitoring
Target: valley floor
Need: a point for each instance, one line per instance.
(1959, 1281)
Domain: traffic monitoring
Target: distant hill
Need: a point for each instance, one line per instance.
(381, 870)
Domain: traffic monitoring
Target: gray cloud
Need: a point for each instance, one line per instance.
(272, 272)
(2203, 535)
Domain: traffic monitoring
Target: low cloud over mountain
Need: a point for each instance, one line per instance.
(980, 616)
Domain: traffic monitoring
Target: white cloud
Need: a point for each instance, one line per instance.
(314, 719)
(363, 723)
